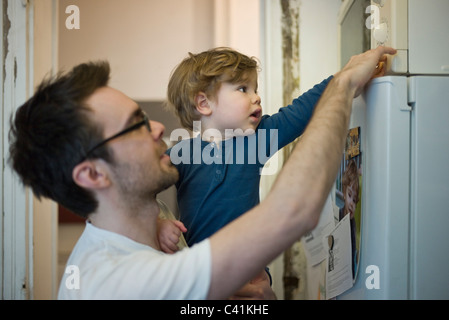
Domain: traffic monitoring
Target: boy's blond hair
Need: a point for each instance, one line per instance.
(204, 72)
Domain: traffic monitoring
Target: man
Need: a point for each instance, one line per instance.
(92, 149)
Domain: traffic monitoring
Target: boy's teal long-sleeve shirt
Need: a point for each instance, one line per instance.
(219, 183)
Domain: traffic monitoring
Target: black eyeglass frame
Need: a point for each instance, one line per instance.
(145, 121)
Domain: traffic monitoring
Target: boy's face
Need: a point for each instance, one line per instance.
(350, 200)
(236, 106)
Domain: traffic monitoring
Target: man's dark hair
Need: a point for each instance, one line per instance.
(51, 133)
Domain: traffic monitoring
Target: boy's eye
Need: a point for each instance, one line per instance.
(242, 89)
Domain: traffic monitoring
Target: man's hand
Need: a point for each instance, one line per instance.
(363, 67)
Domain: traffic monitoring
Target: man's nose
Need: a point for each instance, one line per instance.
(157, 130)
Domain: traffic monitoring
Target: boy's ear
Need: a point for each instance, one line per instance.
(90, 175)
(202, 104)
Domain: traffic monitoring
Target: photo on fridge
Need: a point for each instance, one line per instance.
(349, 192)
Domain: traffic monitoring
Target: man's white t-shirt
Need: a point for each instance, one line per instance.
(107, 265)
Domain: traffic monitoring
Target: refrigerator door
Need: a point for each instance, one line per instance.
(430, 188)
(385, 194)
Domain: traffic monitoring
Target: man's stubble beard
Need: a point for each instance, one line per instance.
(137, 190)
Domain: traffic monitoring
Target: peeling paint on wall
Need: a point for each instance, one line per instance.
(294, 258)
(5, 28)
(290, 48)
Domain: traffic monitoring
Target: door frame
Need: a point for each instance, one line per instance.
(17, 213)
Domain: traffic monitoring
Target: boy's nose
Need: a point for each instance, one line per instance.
(256, 99)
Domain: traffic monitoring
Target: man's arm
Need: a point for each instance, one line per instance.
(294, 204)
(258, 288)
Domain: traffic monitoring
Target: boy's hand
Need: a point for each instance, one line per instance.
(168, 234)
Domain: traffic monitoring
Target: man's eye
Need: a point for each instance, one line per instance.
(140, 116)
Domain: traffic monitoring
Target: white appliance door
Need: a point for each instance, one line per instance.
(430, 188)
(428, 36)
(385, 125)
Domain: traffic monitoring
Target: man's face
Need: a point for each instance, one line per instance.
(140, 169)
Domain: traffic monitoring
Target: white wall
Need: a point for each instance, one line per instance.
(318, 60)
(243, 27)
(142, 39)
(45, 211)
(145, 39)
(318, 41)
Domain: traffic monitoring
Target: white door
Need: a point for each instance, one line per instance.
(430, 192)
(385, 190)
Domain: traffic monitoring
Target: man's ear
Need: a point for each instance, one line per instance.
(90, 175)
(202, 104)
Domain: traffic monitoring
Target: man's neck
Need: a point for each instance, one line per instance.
(138, 224)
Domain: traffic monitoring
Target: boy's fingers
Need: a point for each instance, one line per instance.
(180, 225)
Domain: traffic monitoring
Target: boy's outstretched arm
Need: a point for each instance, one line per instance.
(250, 242)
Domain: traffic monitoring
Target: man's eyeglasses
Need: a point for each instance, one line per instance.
(145, 121)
